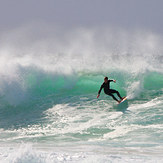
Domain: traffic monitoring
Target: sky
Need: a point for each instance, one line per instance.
(127, 14)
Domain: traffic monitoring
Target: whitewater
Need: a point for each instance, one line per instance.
(49, 80)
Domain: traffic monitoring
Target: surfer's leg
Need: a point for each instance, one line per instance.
(112, 96)
(119, 95)
(114, 91)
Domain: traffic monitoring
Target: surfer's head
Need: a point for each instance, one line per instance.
(105, 79)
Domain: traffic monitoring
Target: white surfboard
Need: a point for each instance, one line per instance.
(123, 100)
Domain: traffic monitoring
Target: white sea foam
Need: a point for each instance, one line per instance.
(26, 153)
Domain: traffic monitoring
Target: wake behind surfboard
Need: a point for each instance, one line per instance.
(123, 105)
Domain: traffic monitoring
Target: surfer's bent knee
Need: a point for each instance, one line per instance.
(109, 94)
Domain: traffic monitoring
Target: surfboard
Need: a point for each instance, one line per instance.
(123, 100)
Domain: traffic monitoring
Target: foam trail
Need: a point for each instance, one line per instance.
(134, 90)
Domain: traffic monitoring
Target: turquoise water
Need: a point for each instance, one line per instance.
(49, 111)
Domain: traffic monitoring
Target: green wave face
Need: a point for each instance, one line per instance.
(49, 86)
(153, 81)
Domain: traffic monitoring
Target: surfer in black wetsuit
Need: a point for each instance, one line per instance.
(108, 91)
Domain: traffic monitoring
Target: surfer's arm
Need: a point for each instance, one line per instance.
(112, 81)
(100, 91)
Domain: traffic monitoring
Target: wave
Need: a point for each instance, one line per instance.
(36, 84)
(40, 67)
(49, 79)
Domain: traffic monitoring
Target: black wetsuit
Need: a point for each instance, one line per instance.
(109, 91)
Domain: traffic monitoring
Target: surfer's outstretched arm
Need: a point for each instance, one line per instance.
(112, 81)
(100, 91)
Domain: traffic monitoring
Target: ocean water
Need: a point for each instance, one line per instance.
(49, 81)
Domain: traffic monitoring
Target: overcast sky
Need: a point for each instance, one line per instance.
(147, 14)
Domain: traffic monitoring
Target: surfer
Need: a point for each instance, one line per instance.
(108, 91)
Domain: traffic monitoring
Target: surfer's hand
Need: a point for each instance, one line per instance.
(114, 81)
(98, 96)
